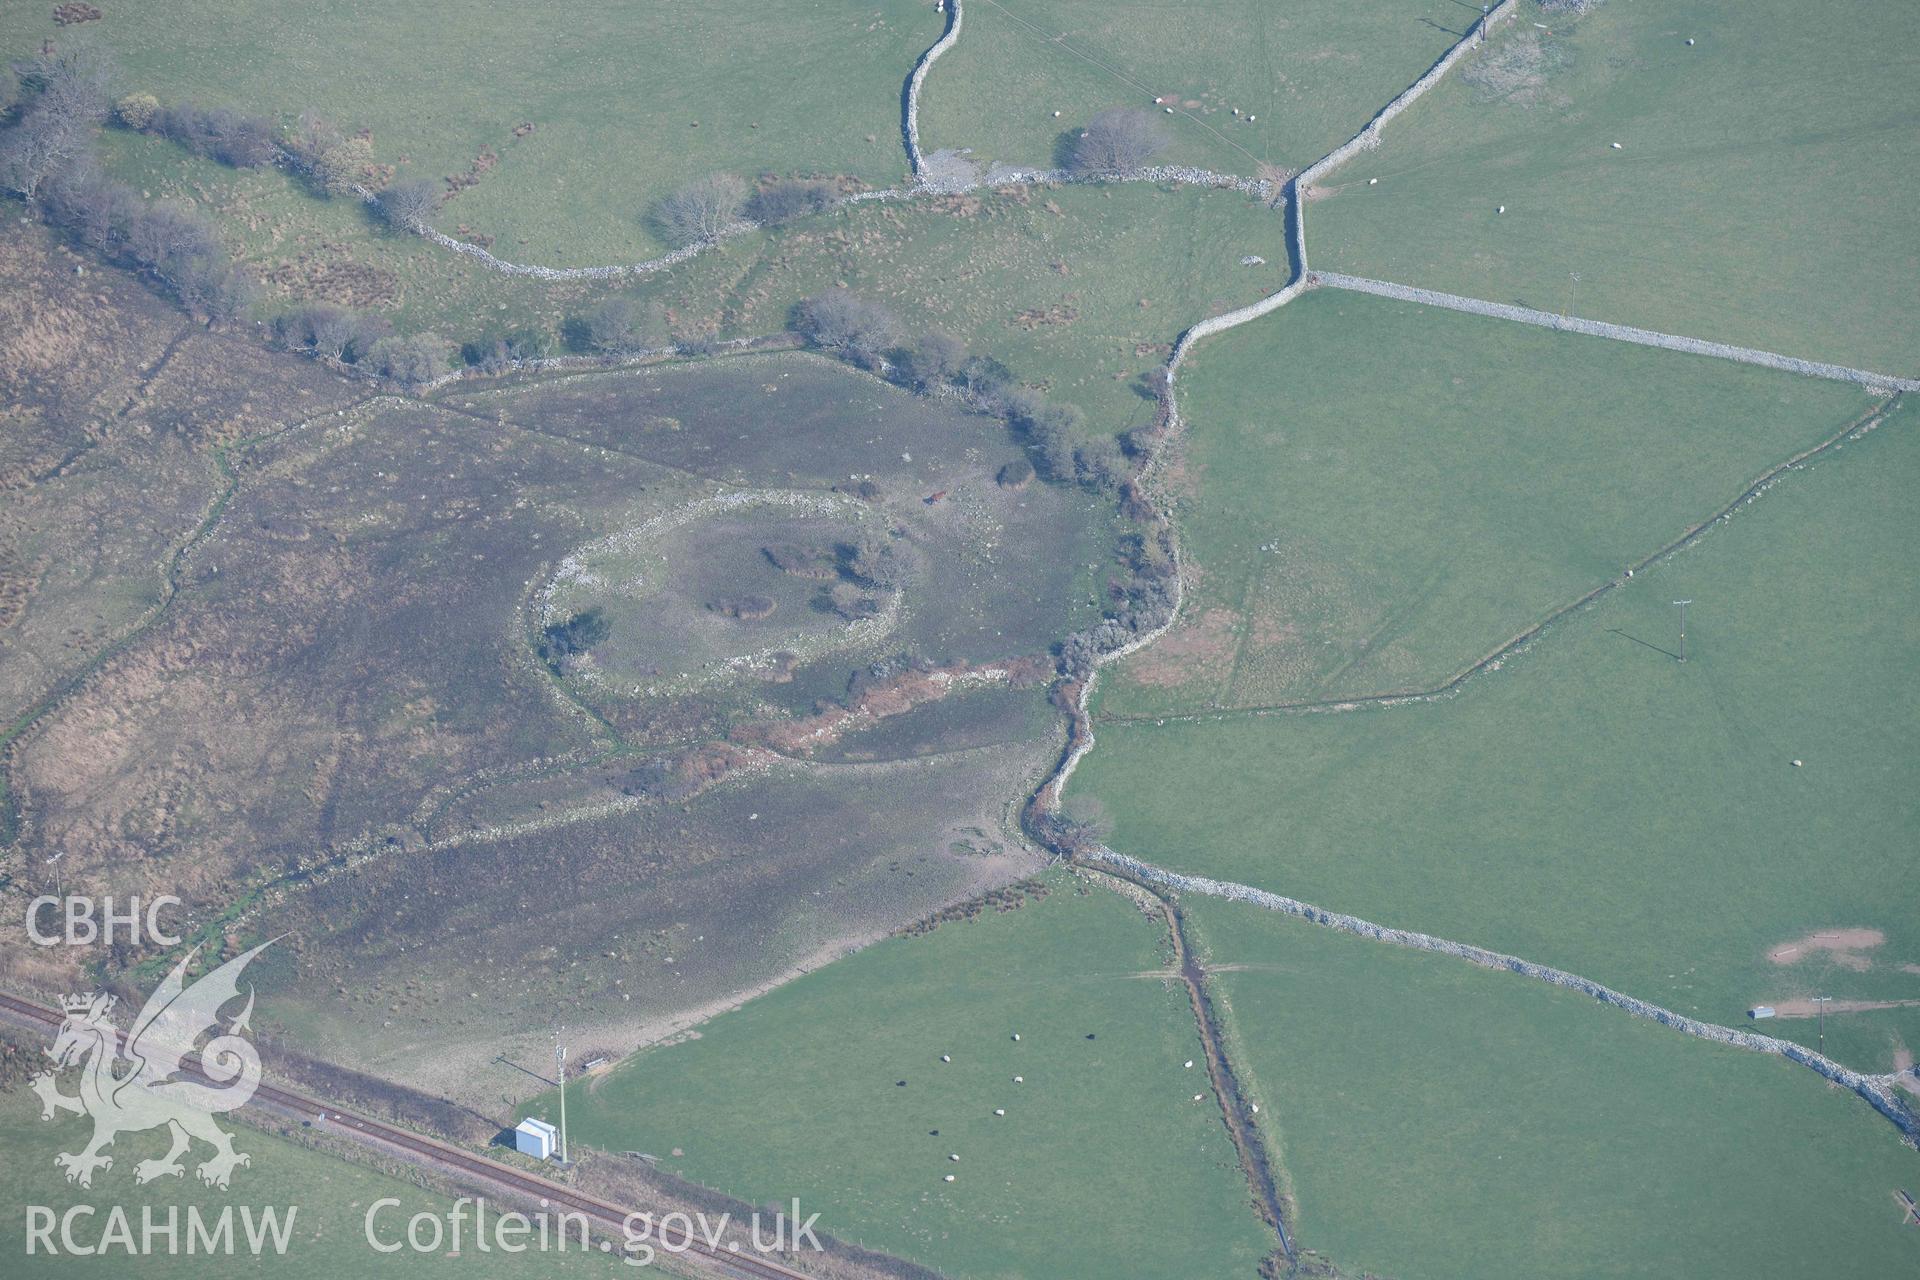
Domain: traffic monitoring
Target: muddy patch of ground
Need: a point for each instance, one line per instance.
(1845, 947)
(1802, 1008)
(1196, 651)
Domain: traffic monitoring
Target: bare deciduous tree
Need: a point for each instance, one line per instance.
(408, 204)
(165, 235)
(1118, 141)
(933, 361)
(73, 80)
(41, 145)
(609, 327)
(334, 329)
(699, 212)
(413, 360)
(844, 321)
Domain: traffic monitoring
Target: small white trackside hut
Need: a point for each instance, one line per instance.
(536, 1138)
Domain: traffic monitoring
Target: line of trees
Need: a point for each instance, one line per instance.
(702, 211)
(220, 133)
(329, 160)
(368, 342)
(61, 98)
(47, 159)
(870, 335)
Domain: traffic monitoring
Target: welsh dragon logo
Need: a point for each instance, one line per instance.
(146, 1084)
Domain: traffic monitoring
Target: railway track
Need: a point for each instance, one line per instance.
(466, 1167)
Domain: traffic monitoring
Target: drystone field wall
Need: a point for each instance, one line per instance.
(1881, 382)
(1010, 175)
(1369, 137)
(919, 78)
(501, 265)
(1875, 1089)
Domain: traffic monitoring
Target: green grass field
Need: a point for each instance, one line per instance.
(1081, 289)
(1309, 73)
(1376, 494)
(330, 1198)
(628, 101)
(1595, 804)
(1103, 1164)
(1764, 193)
(303, 248)
(1442, 1120)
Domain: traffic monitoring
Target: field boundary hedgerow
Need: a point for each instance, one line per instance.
(1876, 1089)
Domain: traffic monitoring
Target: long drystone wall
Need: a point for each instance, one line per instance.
(919, 78)
(1055, 789)
(501, 265)
(1876, 1090)
(1884, 382)
(1369, 137)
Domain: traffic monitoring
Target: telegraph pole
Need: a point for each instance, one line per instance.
(560, 1073)
(1683, 627)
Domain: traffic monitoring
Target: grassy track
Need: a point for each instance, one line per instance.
(1310, 72)
(1377, 494)
(1102, 1166)
(613, 91)
(1598, 806)
(1764, 192)
(1442, 1120)
(330, 1198)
